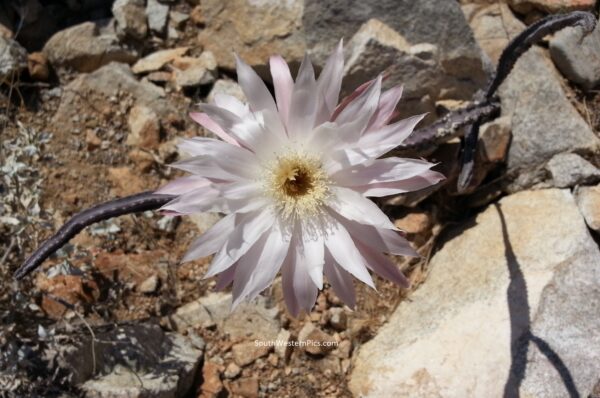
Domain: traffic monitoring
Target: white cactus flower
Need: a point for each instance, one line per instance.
(292, 174)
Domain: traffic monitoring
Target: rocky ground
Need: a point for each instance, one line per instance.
(504, 300)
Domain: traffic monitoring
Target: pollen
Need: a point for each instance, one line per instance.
(297, 183)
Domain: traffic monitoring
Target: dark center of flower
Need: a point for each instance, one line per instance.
(298, 182)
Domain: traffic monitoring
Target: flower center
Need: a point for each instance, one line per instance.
(298, 184)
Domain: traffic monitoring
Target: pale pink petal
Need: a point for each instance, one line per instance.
(343, 250)
(284, 85)
(382, 266)
(203, 146)
(329, 84)
(205, 121)
(387, 104)
(225, 278)
(381, 170)
(232, 104)
(303, 286)
(340, 280)
(353, 206)
(416, 183)
(304, 102)
(249, 228)
(348, 99)
(254, 88)
(211, 240)
(197, 201)
(309, 254)
(257, 269)
(231, 123)
(288, 269)
(183, 185)
(379, 142)
(360, 111)
(383, 240)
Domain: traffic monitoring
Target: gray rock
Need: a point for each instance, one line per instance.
(570, 169)
(158, 15)
(13, 59)
(85, 48)
(128, 361)
(577, 59)
(130, 19)
(192, 71)
(460, 58)
(509, 309)
(544, 122)
(588, 201)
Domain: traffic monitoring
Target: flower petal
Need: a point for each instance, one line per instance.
(382, 266)
(416, 183)
(211, 240)
(343, 250)
(249, 228)
(183, 185)
(359, 112)
(284, 86)
(340, 280)
(309, 254)
(353, 206)
(257, 268)
(232, 104)
(225, 278)
(253, 87)
(381, 170)
(304, 101)
(387, 104)
(205, 121)
(329, 84)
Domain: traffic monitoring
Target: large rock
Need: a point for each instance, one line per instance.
(577, 59)
(291, 27)
(509, 309)
(13, 59)
(588, 200)
(130, 362)
(570, 169)
(85, 48)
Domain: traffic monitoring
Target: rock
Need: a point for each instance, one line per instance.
(91, 139)
(414, 223)
(157, 15)
(13, 59)
(110, 81)
(142, 159)
(543, 120)
(248, 352)
(325, 22)
(177, 19)
(130, 18)
(283, 348)
(85, 48)
(577, 59)
(458, 337)
(191, 315)
(588, 201)
(37, 65)
(232, 371)
(150, 285)
(147, 362)
(211, 374)
(71, 289)
(493, 26)
(570, 169)
(338, 319)
(246, 387)
(158, 59)
(225, 86)
(494, 139)
(276, 28)
(316, 341)
(550, 6)
(144, 129)
(192, 72)
(377, 47)
(125, 181)
(134, 268)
